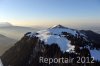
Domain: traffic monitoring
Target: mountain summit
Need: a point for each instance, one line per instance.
(55, 42)
(58, 26)
(59, 35)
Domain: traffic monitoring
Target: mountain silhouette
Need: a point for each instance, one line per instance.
(5, 24)
(55, 42)
(5, 43)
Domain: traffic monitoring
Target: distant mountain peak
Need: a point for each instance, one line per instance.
(5, 24)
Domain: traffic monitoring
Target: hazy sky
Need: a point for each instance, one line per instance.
(49, 12)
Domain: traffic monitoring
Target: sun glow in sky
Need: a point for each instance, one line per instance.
(50, 12)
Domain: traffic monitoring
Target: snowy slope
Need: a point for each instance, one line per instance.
(54, 35)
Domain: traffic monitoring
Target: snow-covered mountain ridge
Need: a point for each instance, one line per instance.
(56, 34)
(63, 36)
